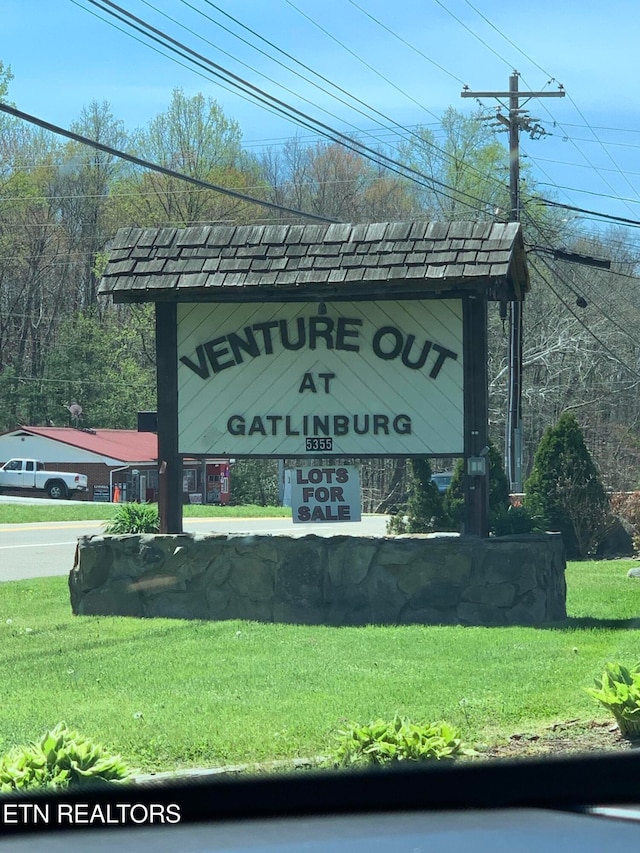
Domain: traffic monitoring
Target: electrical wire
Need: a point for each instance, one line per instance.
(407, 43)
(593, 213)
(586, 287)
(292, 70)
(473, 33)
(544, 106)
(577, 317)
(155, 167)
(291, 112)
(589, 192)
(342, 139)
(360, 59)
(260, 73)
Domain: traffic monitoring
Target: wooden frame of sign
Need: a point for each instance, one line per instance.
(360, 265)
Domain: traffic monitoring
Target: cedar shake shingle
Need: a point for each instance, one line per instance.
(147, 263)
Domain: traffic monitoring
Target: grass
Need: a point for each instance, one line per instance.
(171, 693)
(25, 513)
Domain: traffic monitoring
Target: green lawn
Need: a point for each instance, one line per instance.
(24, 513)
(171, 693)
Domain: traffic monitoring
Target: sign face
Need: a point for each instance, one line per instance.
(298, 378)
(325, 494)
(102, 493)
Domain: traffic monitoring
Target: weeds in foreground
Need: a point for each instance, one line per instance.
(383, 742)
(134, 518)
(61, 759)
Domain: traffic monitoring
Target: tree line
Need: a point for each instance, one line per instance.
(62, 202)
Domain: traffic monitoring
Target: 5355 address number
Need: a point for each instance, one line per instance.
(316, 444)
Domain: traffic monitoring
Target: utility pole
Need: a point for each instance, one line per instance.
(517, 120)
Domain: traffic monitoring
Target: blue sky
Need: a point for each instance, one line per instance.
(63, 57)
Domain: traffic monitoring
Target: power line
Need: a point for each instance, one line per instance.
(166, 55)
(325, 130)
(602, 127)
(544, 106)
(288, 111)
(506, 38)
(473, 33)
(605, 216)
(155, 167)
(581, 114)
(260, 73)
(359, 58)
(577, 317)
(537, 159)
(590, 192)
(288, 68)
(407, 43)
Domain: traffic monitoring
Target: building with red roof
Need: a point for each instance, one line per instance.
(122, 458)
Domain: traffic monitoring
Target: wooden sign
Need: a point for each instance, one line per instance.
(298, 378)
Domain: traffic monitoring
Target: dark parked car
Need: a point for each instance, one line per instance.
(442, 480)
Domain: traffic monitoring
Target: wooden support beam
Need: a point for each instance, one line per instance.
(169, 461)
(476, 412)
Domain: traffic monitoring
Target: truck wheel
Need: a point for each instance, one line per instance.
(57, 490)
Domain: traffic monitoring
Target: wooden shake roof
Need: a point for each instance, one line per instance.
(255, 262)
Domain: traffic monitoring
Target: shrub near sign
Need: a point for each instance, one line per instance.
(330, 493)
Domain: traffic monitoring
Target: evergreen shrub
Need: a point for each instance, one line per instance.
(424, 510)
(565, 489)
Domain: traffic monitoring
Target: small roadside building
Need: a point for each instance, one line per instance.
(122, 459)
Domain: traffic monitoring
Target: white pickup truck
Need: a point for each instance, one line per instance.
(30, 474)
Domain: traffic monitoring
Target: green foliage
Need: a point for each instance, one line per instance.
(618, 690)
(214, 693)
(473, 158)
(383, 742)
(424, 511)
(133, 518)
(498, 493)
(513, 520)
(86, 511)
(255, 481)
(565, 488)
(453, 499)
(105, 364)
(6, 77)
(62, 759)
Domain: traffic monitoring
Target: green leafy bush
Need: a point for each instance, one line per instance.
(255, 481)
(134, 518)
(619, 691)
(424, 511)
(565, 488)
(498, 491)
(509, 521)
(62, 759)
(383, 742)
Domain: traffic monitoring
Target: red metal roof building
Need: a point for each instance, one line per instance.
(112, 446)
(109, 457)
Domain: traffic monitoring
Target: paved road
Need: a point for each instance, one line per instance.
(47, 548)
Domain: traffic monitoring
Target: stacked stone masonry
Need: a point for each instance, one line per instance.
(339, 580)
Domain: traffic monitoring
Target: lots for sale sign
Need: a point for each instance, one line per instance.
(325, 494)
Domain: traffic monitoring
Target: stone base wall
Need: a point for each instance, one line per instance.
(339, 580)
